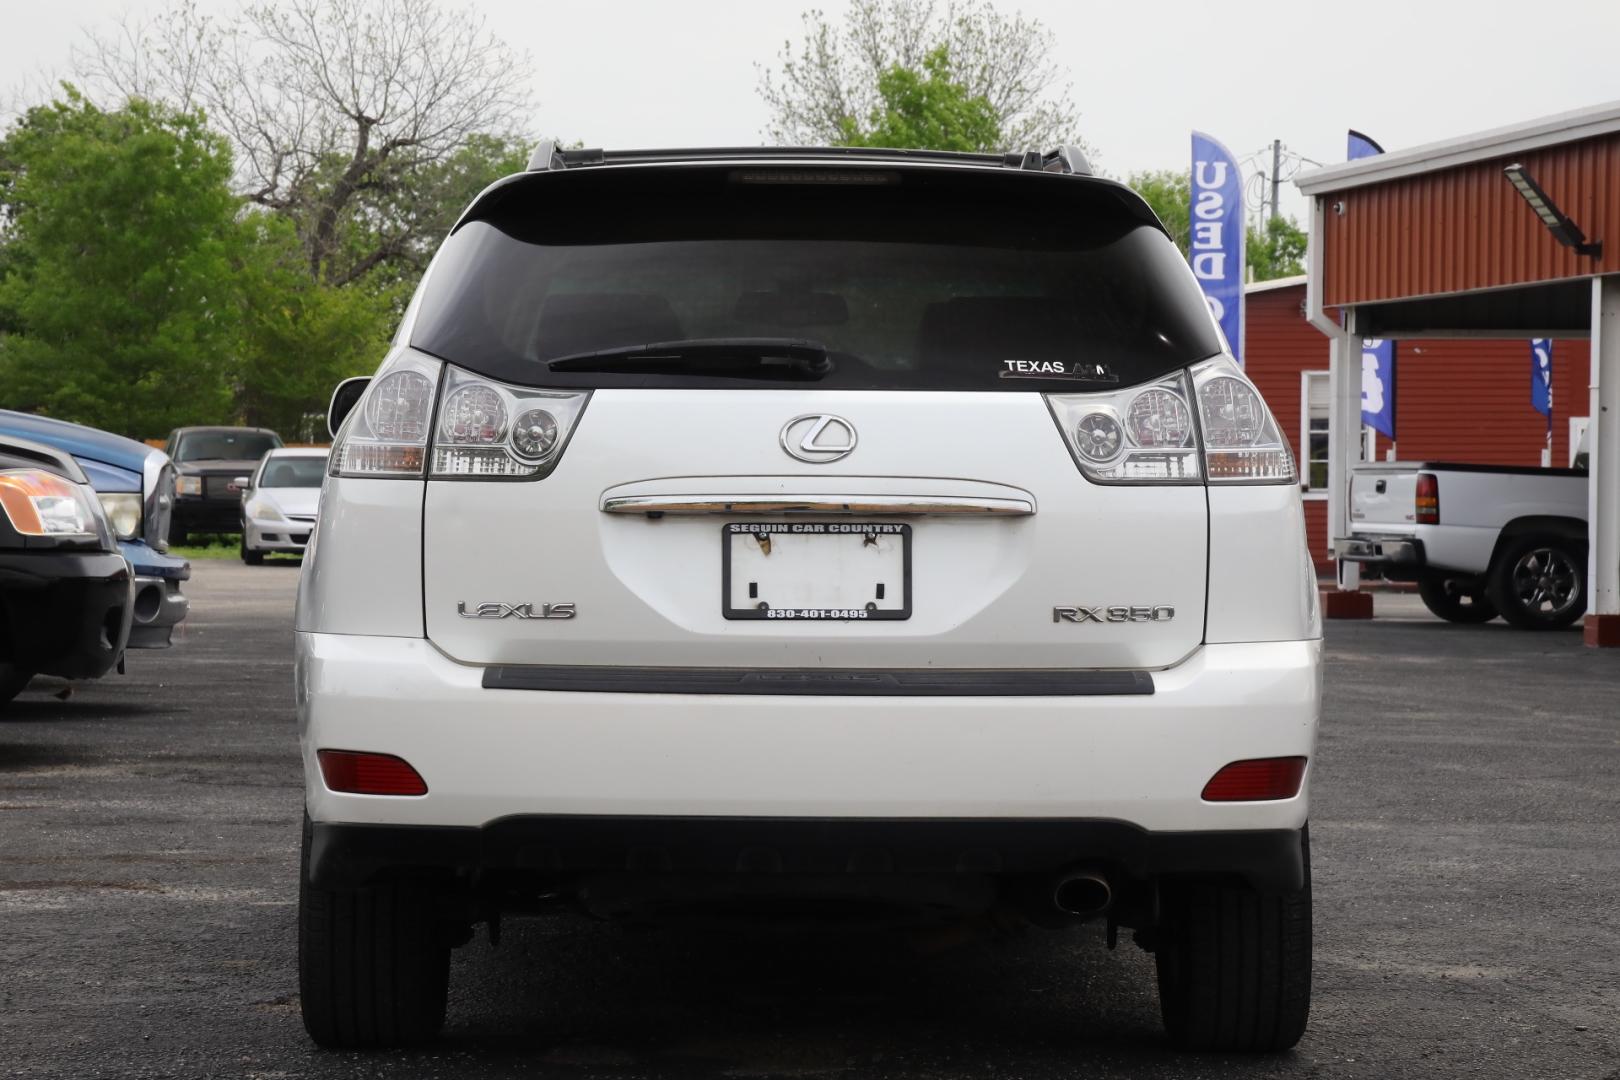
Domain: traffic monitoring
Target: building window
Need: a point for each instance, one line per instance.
(1316, 407)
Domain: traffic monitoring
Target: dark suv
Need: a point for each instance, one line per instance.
(209, 464)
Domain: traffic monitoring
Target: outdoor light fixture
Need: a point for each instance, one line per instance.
(1565, 231)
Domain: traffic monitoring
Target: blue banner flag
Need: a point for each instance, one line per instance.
(1541, 377)
(1377, 354)
(1361, 146)
(1217, 235)
(1378, 385)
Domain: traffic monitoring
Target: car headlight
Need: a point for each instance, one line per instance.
(123, 510)
(188, 485)
(38, 503)
(262, 511)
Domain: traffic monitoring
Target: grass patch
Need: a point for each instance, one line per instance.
(218, 546)
(195, 552)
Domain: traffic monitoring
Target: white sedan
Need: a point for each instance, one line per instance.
(279, 503)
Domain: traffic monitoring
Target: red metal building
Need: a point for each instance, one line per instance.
(1455, 400)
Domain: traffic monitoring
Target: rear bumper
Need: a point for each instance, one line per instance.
(66, 614)
(290, 537)
(347, 856)
(160, 606)
(1401, 551)
(1140, 760)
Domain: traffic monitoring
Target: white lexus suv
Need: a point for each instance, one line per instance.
(885, 534)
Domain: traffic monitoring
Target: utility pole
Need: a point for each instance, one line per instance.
(1276, 167)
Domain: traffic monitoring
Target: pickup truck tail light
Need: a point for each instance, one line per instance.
(1428, 499)
(420, 417)
(1151, 434)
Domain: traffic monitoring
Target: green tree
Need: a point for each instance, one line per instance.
(396, 228)
(1169, 193)
(836, 71)
(924, 110)
(295, 337)
(115, 284)
(1276, 249)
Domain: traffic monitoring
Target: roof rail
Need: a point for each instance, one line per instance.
(548, 156)
(1067, 158)
(545, 157)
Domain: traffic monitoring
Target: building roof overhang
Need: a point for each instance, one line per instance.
(1590, 122)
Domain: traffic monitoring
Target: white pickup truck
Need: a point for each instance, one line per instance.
(1479, 540)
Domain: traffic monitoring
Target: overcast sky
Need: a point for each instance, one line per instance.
(636, 73)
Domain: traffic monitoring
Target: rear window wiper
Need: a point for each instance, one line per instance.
(767, 357)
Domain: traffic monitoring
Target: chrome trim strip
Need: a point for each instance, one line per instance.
(817, 504)
(157, 499)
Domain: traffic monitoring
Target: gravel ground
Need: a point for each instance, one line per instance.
(1466, 837)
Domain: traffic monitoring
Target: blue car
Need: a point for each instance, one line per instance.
(135, 484)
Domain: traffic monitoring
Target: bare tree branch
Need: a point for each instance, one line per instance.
(326, 102)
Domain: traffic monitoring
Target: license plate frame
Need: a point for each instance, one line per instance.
(863, 614)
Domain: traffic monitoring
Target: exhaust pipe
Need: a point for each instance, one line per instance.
(1081, 894)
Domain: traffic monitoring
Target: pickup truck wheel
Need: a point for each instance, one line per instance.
(373, 964)
(12, 681)
(1455, 601)
(1539, 582)
(1235, 966)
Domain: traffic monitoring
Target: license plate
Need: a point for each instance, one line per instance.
(815, 570)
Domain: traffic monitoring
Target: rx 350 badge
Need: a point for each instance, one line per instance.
(1140, 613)
(514, 611)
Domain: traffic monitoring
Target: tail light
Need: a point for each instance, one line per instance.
(1256, 780)
(490, 429)
(1142, 435)
(1150, 434)
(420, 417)
(357, 773)
(1428, 499)
(1242, 444)
(387, 432)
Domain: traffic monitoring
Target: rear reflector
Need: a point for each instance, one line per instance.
(369, 774)
(1256, 780)
(1428, 499)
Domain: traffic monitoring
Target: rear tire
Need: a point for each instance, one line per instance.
(1539, 582)
(1455, 601)
(1235, 966)
(373, 964)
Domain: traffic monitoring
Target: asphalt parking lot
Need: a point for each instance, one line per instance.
(1466, 837)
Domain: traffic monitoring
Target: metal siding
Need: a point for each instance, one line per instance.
(1467, 228)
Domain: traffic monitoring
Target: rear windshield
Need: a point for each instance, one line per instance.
(293, 472)
(928, 280)
(224, 445)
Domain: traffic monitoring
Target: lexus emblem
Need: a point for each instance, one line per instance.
(818, 438)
